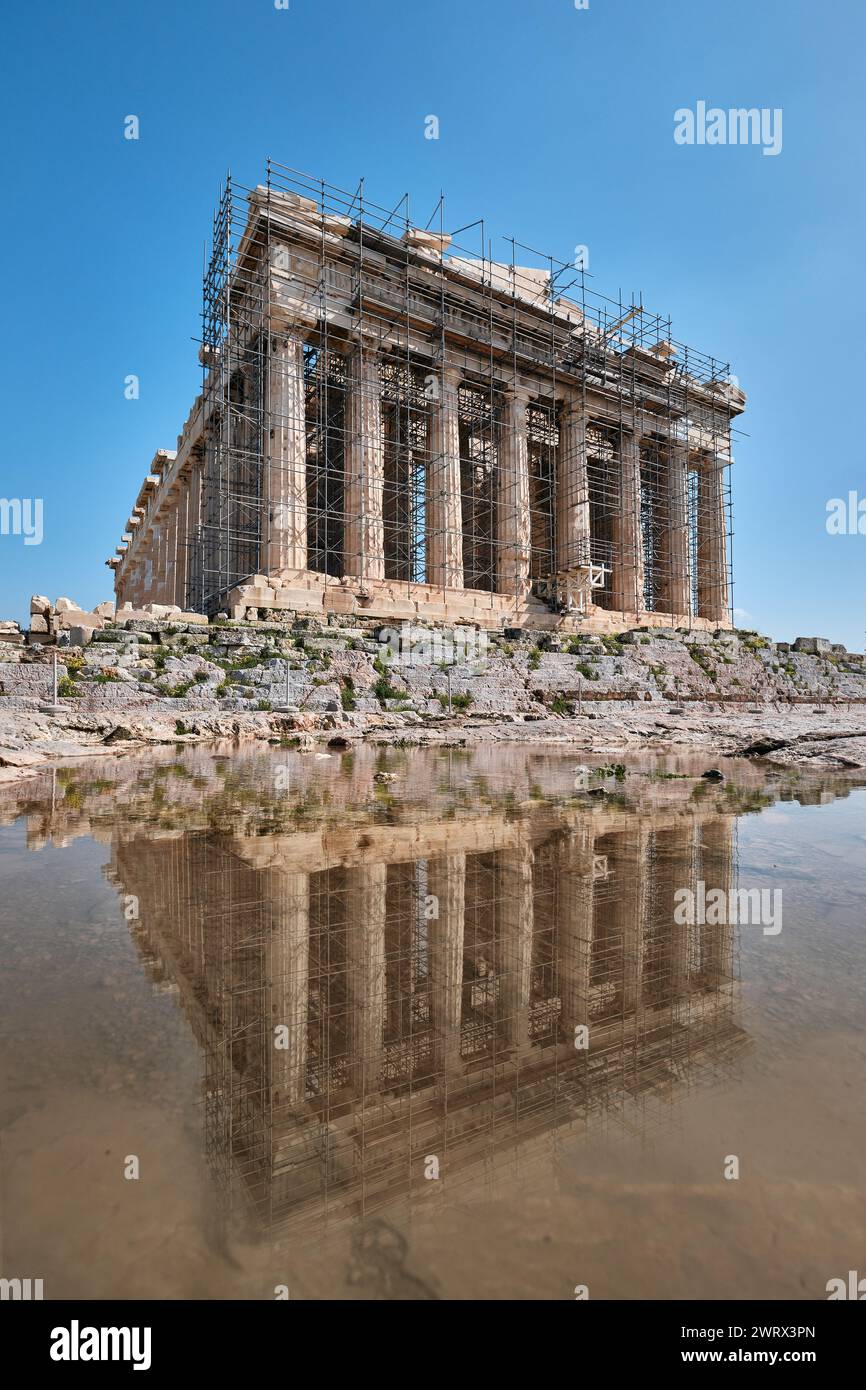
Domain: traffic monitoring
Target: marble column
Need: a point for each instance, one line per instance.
(676, 575)
(446, 880)
(181, 548)
(572, 494)
(712, 577)
(287, 896)
(628, 555)
(285, 448)
(443, 501)
(366, 897)
(363, 530)
(513, 521)
(171, 528)
(515, 921)
(160, 553)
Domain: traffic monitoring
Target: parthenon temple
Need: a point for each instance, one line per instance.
(394, 425)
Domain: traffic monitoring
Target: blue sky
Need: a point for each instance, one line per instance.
(556, 125)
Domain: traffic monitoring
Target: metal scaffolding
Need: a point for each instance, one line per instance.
(627, 433)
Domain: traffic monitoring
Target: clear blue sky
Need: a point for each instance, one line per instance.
(556, 125)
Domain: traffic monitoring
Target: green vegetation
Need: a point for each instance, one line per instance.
(616, 770)
(347, 695)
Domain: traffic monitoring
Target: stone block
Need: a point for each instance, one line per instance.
(66, 619)
(813, 646)
(40, 604)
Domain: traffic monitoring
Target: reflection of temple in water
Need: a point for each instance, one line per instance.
(373, 996)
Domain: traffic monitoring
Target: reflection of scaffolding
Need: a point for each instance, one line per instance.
(382, 404)
(421, 995)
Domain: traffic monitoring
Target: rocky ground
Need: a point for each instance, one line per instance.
(155, 681)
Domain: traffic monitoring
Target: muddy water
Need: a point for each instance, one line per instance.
(415, 1024)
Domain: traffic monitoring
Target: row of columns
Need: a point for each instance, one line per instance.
(285, 539)
(159, 570)
(636, 896)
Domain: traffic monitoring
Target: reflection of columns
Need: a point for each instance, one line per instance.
(446, 880)
(574, 899)
(628, 561)
(717, 871)
(674, 868)
(363, 532)
(630, 884)
(515, 917)
(285, 448)
(676, 586)
(365, 917)
(572, 496)
(513, 524)
(287, 897)
(444, 511)
(712, 540)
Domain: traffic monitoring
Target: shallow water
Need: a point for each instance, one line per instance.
(271, 1024)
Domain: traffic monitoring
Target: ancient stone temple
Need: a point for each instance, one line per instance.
(393, 425)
